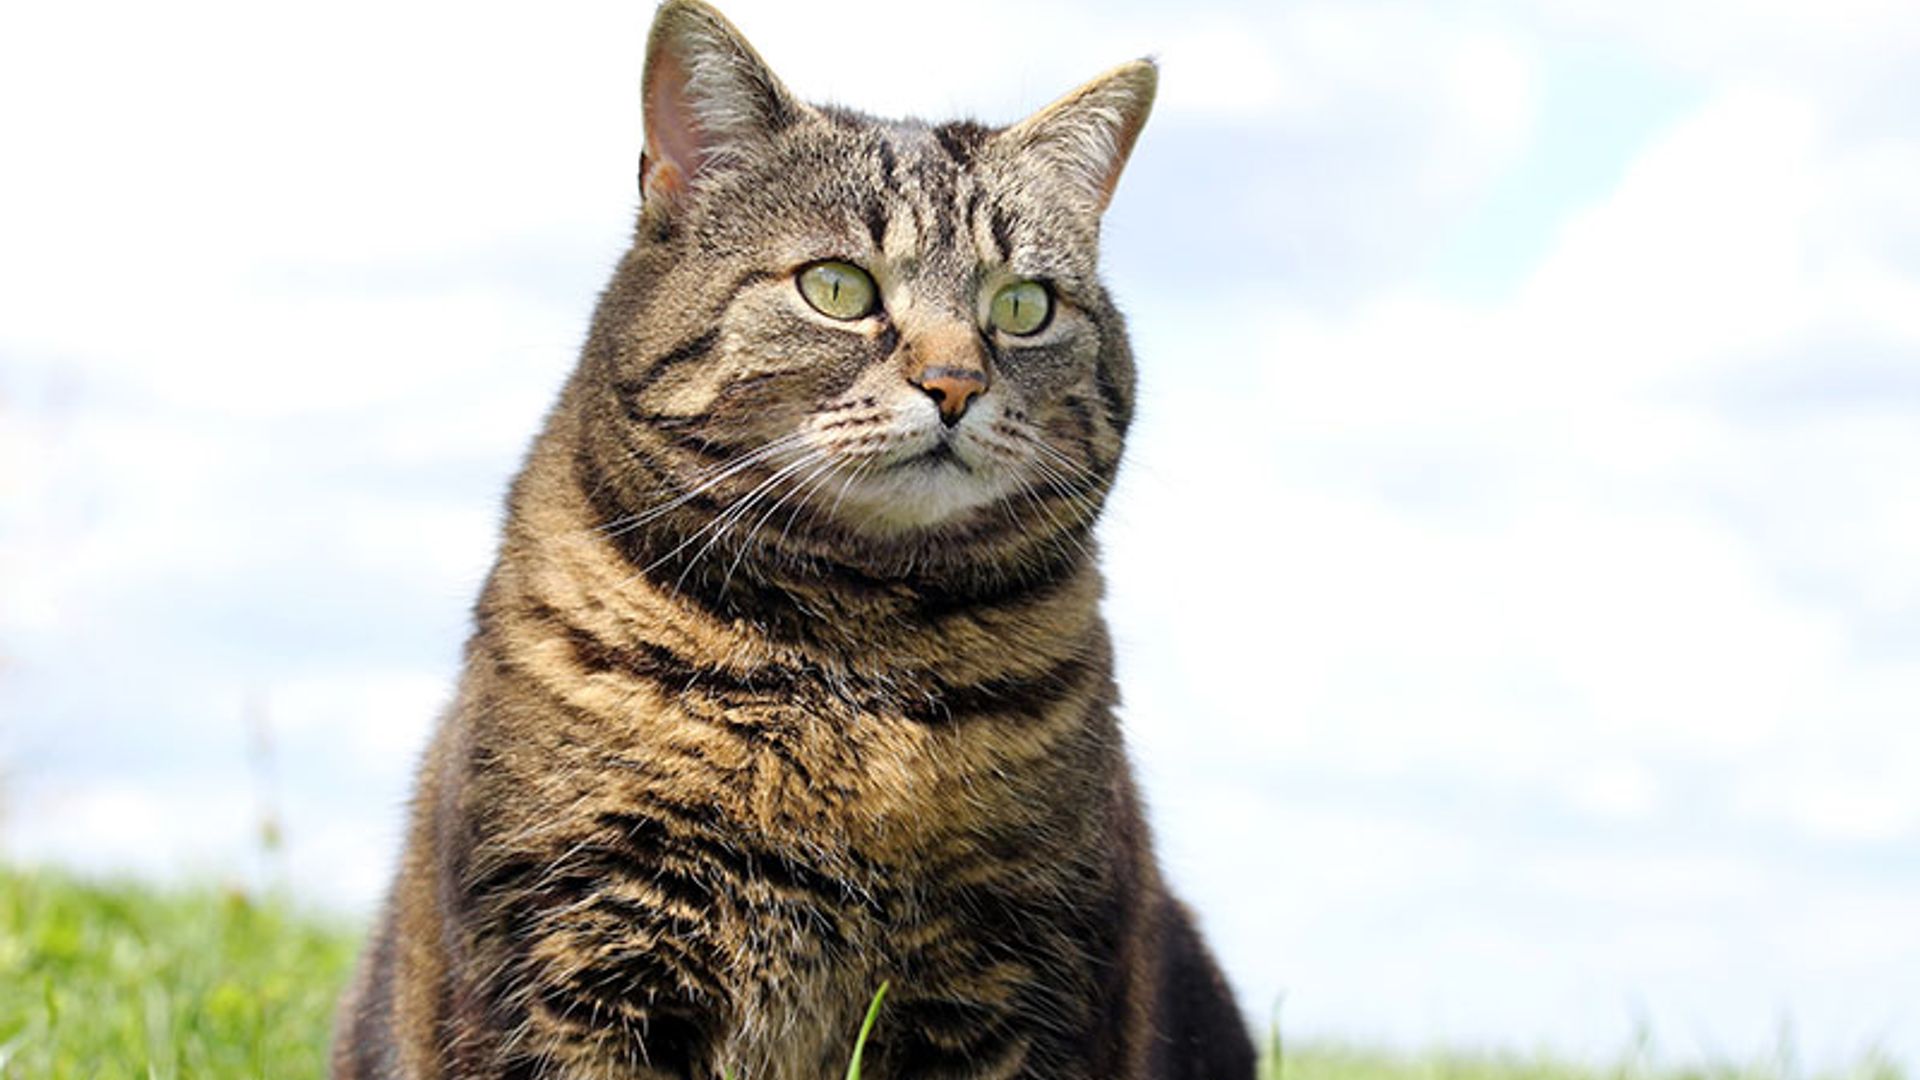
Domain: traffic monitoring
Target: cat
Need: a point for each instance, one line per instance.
(790, 678)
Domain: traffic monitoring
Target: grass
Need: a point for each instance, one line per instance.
(1336, 1062)
(121, 980)
(111, 980)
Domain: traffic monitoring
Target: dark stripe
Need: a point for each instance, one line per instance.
(1119, 409)
(837, 379)
(972, 216)
(1119, 404)
(750, 277)
(1002, 229)
(510, 877)
(671, 1039)
(887, 164)
(1076, 407)
(937, 180)
(1052, 569)
(615, 512)
(628, 390)
(685, 352)
(932, 702)
(686, 433)
(944, 226)
(875, 216)
(683, 964)
(635, 977)
(588, 477)
(613, 508)
(947, 1020)
(961, 140)
(662, 666)
(1026, 695)
(682, 889)
(965, 1052)
(774, 104)
(698, 347)
(651, 845)
(763, 737)
(697, 443)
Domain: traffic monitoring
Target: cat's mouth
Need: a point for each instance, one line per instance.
(941, 481)
(942, 453)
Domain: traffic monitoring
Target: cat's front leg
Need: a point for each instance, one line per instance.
(950, 1039)
(1008, 997)
(593, 968)
(616, 1008)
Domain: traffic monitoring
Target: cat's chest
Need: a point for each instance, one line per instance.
(822, 774)
(763, 858)
(798, 1028)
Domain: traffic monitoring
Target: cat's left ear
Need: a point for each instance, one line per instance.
(708, 98)
(1086, 136)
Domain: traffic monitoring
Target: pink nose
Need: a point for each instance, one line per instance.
(951, 389)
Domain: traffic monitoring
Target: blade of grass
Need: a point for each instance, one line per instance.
(866, 1028)
(1274, 1059)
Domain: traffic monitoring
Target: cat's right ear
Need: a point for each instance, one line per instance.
(1085, 137)
(708, 98)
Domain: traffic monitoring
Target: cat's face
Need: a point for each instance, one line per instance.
(886, 328)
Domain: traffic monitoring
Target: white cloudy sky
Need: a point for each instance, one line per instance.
(1516, 573)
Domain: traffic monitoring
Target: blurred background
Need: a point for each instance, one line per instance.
(1516, 575)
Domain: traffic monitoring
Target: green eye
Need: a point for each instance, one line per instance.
(1021, 308)
(838, 290)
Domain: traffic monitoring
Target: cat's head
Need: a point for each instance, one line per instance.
(867, 334)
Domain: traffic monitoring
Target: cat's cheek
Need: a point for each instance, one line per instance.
(1044, 368)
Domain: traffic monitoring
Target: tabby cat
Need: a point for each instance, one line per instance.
(790, 678)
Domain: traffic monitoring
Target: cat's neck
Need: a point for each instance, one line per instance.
(559, 556)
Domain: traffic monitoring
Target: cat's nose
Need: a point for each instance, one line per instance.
(952, 388)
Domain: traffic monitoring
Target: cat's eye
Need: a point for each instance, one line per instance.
(838, 290)
(1021, 308)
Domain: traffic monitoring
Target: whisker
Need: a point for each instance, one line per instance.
(1063, 533)
(703, 481)
(727, 518)
(852, 478)
(1074, 466)
(747, 540)
(826, 478)
(1066, 489)
(718, 520)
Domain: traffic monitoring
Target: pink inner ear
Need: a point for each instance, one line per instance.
(673, 136)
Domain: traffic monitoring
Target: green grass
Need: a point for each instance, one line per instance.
(1336, 1062)
(110, 980)
(119, 980)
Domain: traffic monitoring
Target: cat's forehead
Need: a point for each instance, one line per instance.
(934, 194)
(936, 145)
(905, 157)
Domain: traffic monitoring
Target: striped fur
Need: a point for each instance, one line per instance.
(781, 687)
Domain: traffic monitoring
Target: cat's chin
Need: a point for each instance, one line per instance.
(935, 490)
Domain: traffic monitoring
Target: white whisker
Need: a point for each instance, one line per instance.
(702, 482)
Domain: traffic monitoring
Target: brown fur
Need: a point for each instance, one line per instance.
(783, 684)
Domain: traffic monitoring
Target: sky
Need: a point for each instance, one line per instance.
(1513, 576)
